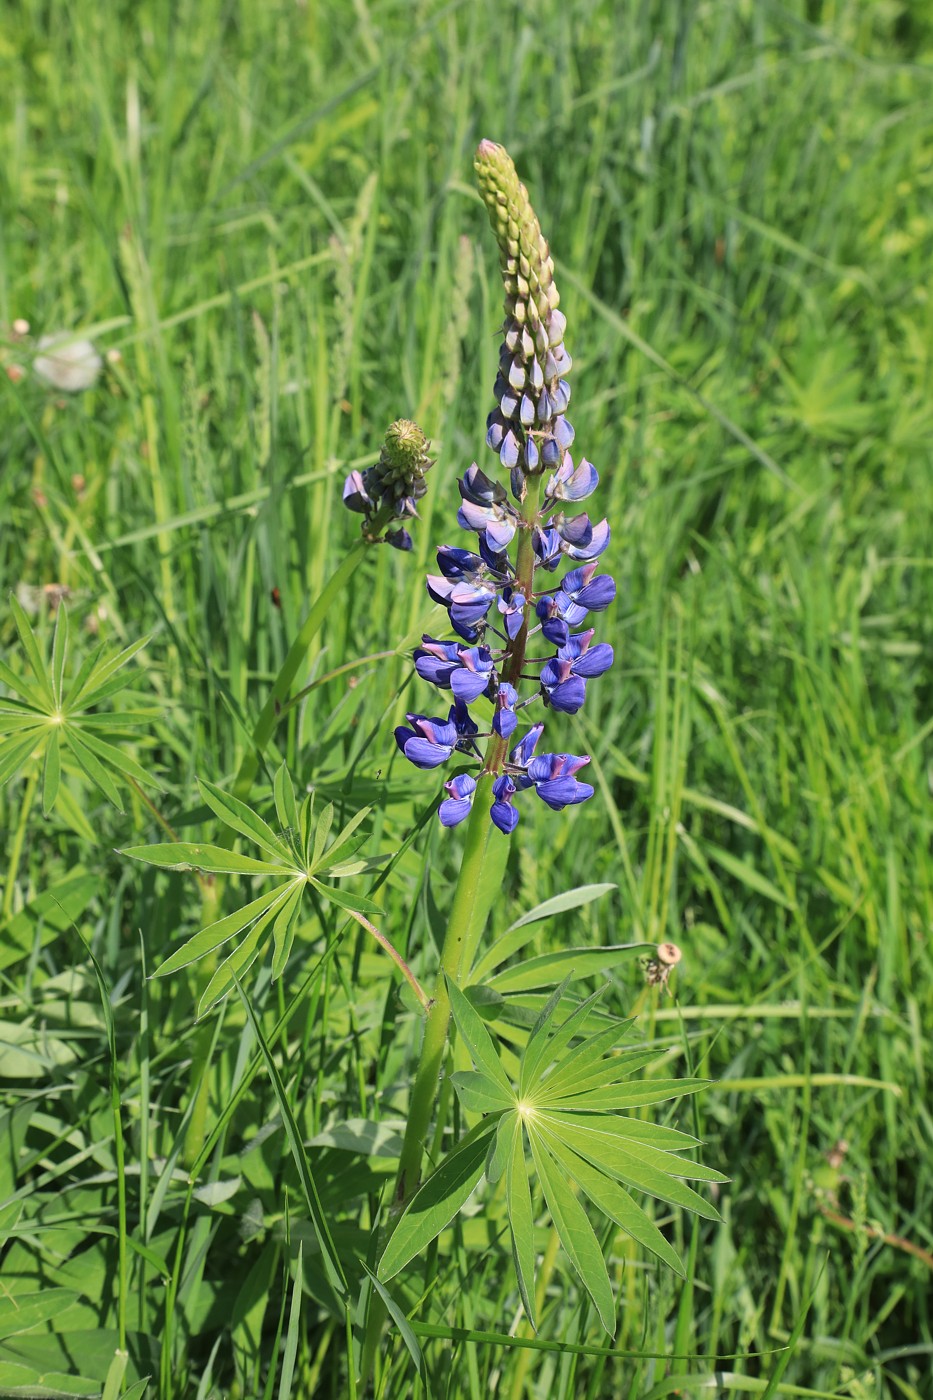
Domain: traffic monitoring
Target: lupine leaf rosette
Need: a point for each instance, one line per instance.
(570, 1124)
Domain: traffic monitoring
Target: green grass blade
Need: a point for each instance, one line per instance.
(333, 1268)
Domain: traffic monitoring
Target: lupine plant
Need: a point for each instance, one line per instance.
(545, 1108)
(521, 638)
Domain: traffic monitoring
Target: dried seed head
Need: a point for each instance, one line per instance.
(669, 954)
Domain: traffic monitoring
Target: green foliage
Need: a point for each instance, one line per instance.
(264, 217)
(53, 717)
(559, 1108)
(297, 858)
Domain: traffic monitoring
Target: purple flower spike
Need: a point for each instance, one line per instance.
(399, 539)
(503, 814)
(428, 743)
(457, 806)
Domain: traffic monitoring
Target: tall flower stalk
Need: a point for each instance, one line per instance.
(520, 638)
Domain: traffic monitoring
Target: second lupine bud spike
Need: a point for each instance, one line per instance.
(391, 489)
(527, 430)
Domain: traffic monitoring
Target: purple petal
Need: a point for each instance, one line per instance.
(523, 750)
(468, 685)
(594, 661)
(422, 753)
(504, 816)
(563, 792)
(508, 453)
(568, 696)
(452, 811)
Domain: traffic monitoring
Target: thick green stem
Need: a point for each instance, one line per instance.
(292, 664)
(466, 905)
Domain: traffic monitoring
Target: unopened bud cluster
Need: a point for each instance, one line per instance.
(390, 490)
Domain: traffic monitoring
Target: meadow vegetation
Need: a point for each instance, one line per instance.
(264, 217)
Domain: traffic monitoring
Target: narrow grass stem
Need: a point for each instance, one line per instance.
(16, 846)
(278, 695)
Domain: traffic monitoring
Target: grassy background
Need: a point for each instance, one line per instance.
(268, 210)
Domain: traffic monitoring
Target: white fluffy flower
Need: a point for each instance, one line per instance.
(68, 364)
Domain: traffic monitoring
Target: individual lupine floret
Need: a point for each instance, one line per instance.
(564, 677)
(454, 808)
(579, 594)
(451, 666)
(429, 742)
(391, 489)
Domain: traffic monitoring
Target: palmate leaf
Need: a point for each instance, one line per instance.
(274, 915)
(48, 717)
(580, 1150)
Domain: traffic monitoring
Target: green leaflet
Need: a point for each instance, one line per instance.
(521, 1218)
(242, 958)
(544, 1045)
(582, 962)
(478, 1040)
(216, 934)
(480, 1094)
(183, 855)
(575, 1232)
(620, 1163)
(636, 1129)
(436, 1203)
(283, 932)
(240, 818)
(623, 1096)
(614, 1201)
(286, 806)
(518, 934)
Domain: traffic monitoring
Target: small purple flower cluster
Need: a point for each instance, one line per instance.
(488, 660)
